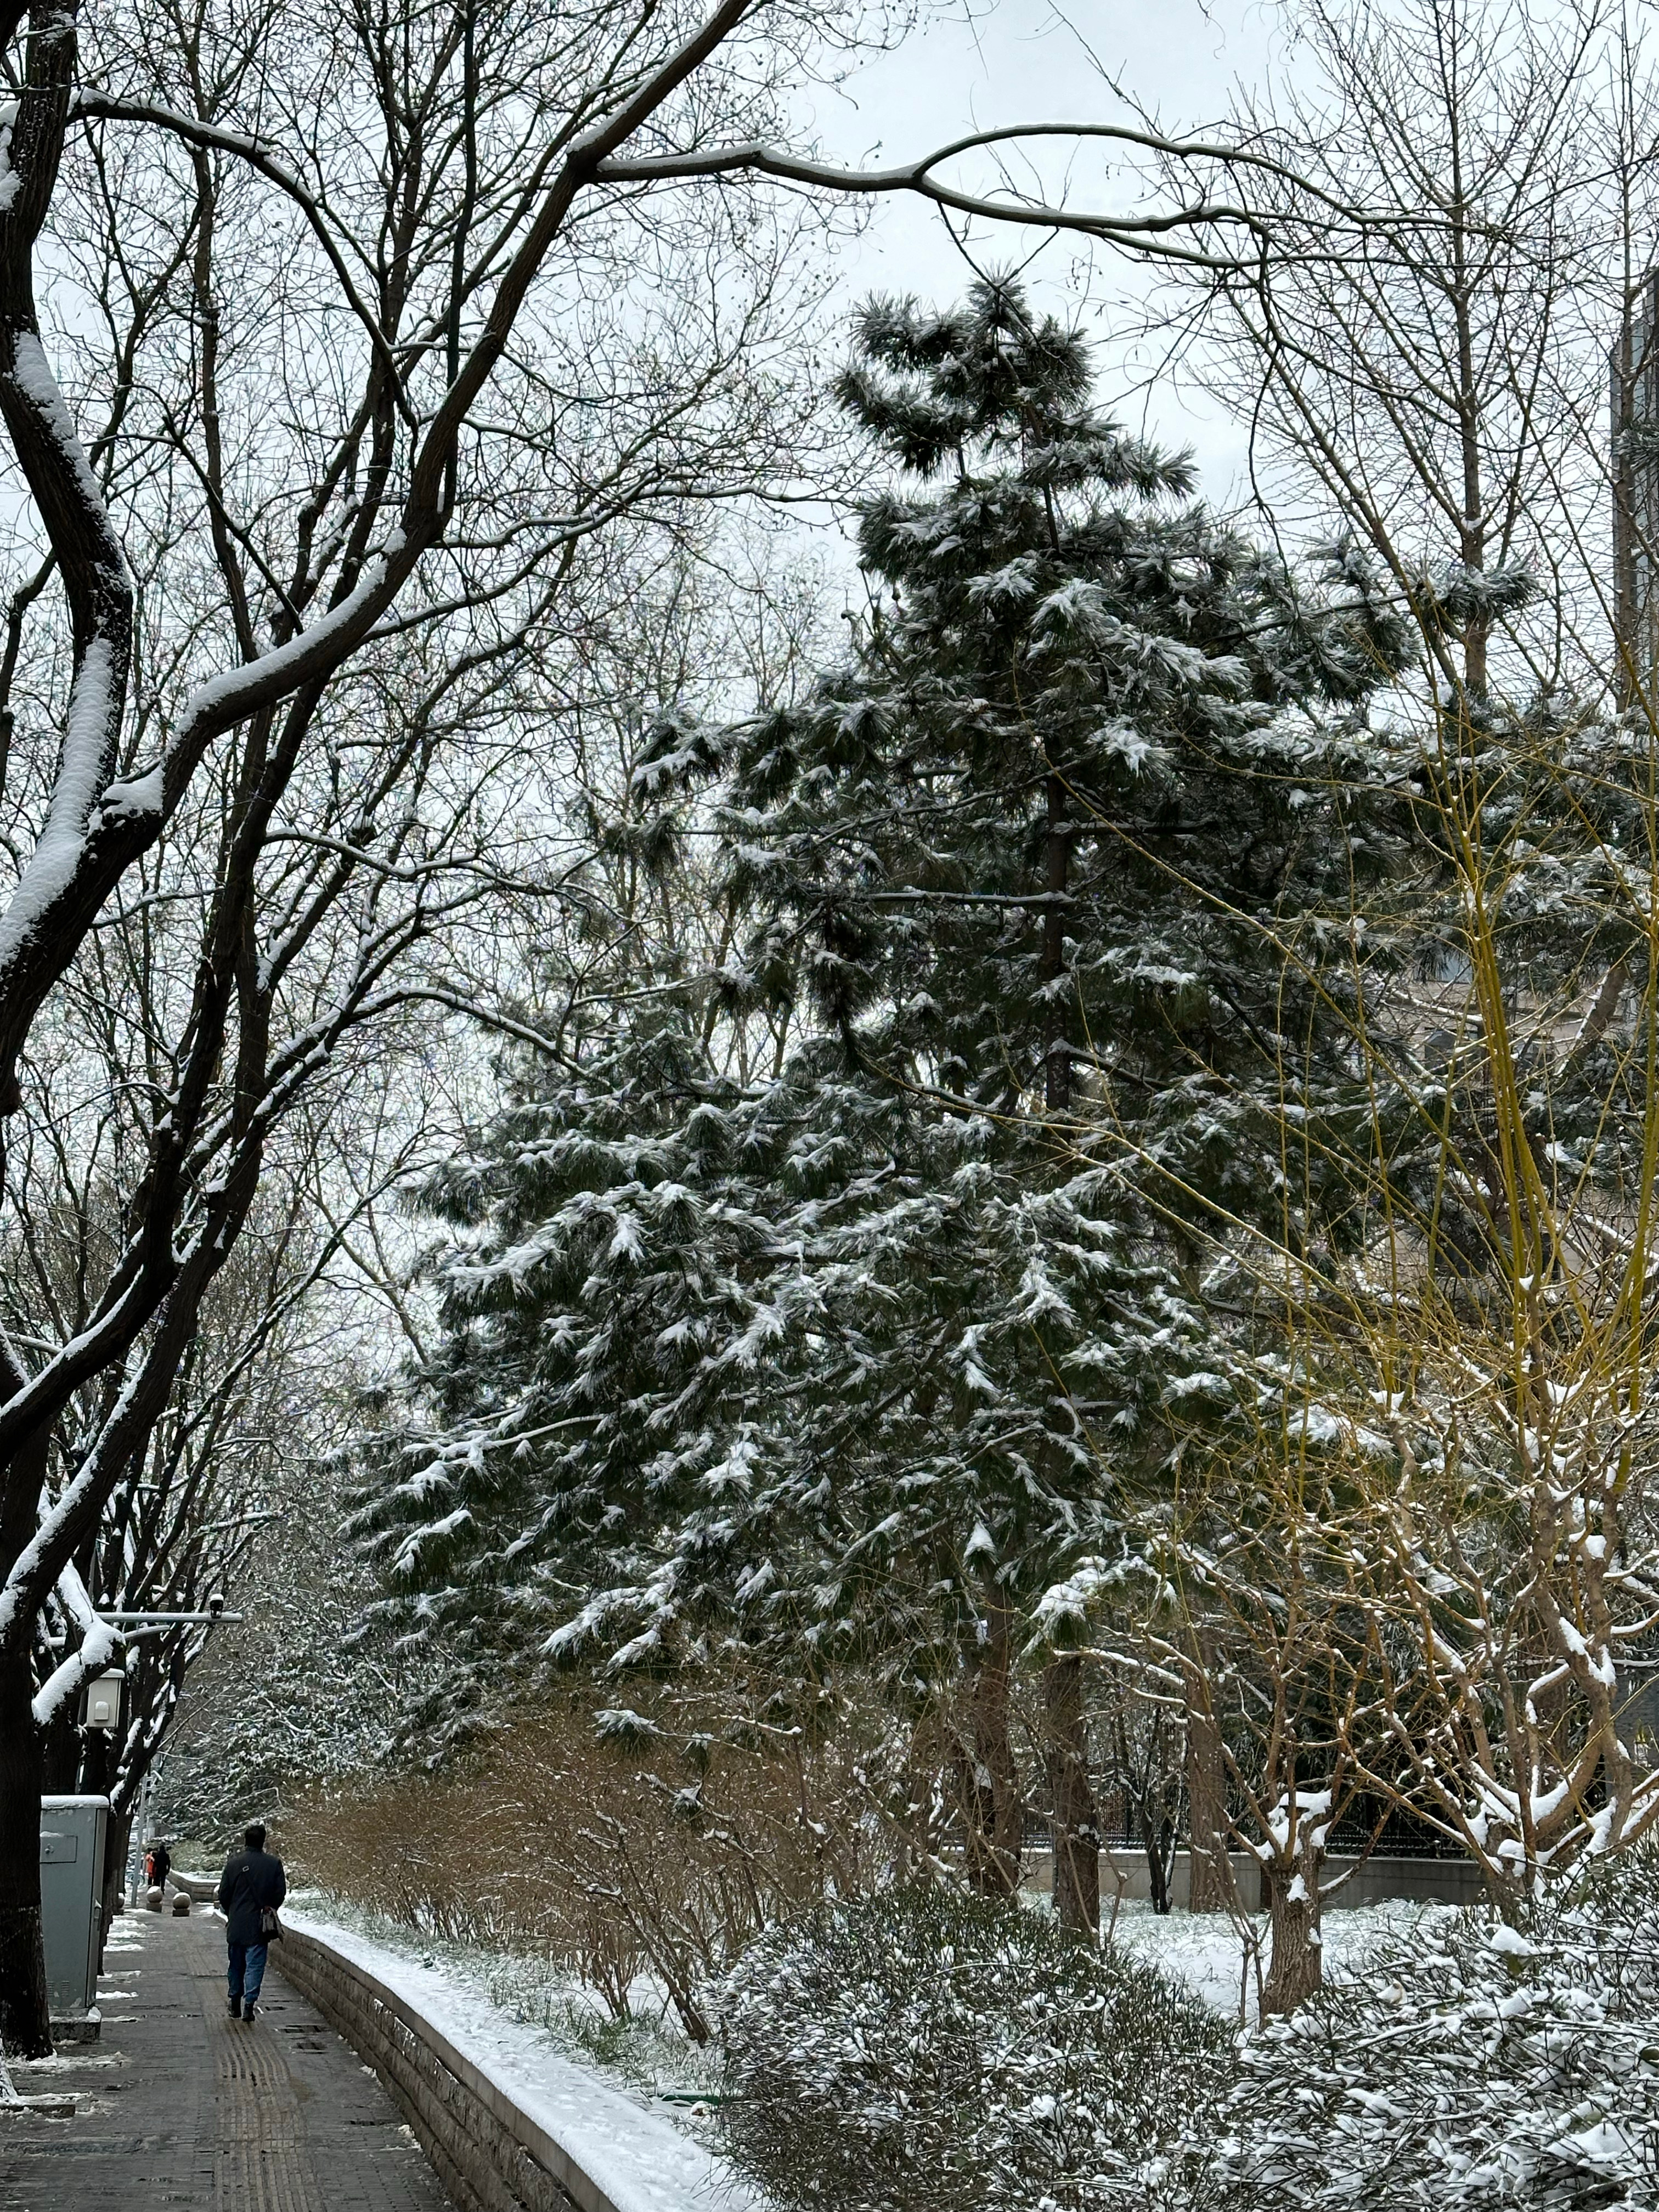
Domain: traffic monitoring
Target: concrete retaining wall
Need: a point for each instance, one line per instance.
(1430, 1882)
(1433, 1882)
(490, 2156)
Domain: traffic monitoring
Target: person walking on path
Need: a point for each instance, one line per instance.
(251, 1888)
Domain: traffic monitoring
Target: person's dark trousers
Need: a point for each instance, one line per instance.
(248, 1970)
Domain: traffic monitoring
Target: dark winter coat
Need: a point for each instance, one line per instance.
(251, 1880)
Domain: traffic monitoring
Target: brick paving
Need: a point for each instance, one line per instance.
(178, 2105)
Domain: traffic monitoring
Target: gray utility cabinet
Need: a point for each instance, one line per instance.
(74, 1832)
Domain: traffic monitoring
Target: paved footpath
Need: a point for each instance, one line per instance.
(178, 2105)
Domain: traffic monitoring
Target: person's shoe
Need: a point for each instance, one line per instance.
(248, 2011)
(236, 2008)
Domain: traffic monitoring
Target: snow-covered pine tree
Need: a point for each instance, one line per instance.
(1061, 859)
(1047, 891)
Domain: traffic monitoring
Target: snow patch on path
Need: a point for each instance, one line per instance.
(637, 2157)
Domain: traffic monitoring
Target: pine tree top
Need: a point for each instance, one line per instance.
(987, 386)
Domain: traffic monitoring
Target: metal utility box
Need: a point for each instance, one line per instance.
(73, 1834)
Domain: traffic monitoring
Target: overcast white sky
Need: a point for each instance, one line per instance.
(1022, 61)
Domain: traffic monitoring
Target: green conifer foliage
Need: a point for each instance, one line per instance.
(1048, 887)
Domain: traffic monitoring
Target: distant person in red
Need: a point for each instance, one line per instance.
(251, 1888)
(158, 1866)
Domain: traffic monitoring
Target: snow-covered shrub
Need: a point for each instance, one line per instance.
(1474, 2066)
(921, 2051)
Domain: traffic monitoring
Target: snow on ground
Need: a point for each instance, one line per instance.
(629, 2148)
(646, 2050)
(1207, 1951)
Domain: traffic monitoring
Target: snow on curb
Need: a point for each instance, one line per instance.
(635, 2159)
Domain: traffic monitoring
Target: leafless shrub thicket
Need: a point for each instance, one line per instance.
(610, 1859)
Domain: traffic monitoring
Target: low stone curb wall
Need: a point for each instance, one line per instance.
(490, 2156)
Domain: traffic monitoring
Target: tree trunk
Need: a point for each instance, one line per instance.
(1297, 1964)
(60, 1752)
(97, 1765)
(94, 1779)
(1056, 1050)
(115, 1876)
(1472, 531)
(919, 1815)
(1207, 1795)
(991, 1805)
(1076, 1827)
(1160, 1859)
(25, 2023)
